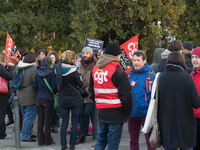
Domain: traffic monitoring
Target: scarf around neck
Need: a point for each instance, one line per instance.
(86, 63)
(3, 63)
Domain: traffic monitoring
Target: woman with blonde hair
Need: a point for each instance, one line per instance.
(69, 81)
(5, 72)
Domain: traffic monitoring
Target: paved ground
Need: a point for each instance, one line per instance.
(10, 143)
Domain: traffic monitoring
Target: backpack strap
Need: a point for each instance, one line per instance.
(30, 68)
(129, 75)
(192, 73)
(148, 79)
(150, 75)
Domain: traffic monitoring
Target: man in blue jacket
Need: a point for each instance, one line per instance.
(140, 78)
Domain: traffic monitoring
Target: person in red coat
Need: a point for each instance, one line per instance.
(195, 58)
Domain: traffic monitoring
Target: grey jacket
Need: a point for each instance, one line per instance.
(27, 96)
(85, 75)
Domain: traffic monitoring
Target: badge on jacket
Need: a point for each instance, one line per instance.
(150, 85)
(133, 83)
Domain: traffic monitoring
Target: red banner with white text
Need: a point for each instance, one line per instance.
(128, 48)
(9, 45)
(10, 48)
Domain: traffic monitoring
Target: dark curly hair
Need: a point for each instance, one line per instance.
(44, 51)
(56, 56)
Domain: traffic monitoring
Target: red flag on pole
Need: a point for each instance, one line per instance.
(128, 48)
(10, 49)
(9, 45)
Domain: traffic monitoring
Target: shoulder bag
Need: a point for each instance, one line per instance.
(55, 97)
(3, 86)
(151, 125)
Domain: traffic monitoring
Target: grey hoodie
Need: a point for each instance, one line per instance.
(105, 59)
(157, 56)
(165, 54)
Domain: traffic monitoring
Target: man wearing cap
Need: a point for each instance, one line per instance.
(195, 57)
(87, 63)
(139, 78)
(111, 91)
(187, 49)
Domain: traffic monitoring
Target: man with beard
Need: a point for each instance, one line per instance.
(87, 63)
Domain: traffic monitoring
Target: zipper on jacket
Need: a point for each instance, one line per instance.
(135, 94)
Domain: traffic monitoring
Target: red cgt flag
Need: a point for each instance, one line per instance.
(128, 48)
(9, 45)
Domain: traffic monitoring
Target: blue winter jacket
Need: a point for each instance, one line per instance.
(141, 90)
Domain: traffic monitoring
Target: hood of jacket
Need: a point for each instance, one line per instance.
(22, 65)
(45, 71)
(67, 68)
(146, 68)
(165, 54)
(157, 54)
(105, 59)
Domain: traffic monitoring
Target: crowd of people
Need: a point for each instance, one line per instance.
(119, 97)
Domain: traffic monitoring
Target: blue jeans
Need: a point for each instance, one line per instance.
(109, 133)
(65, 120)
(180, 148)
(29, 114)
(85, 118)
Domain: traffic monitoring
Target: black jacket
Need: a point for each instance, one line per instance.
(10, 84)
(69, 95)
(7, 74)
(120, 80)
(177, 94)
(162, 65)
(188, 63)
(40, 86)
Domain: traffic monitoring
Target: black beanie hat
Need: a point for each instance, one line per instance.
(188, 45)
(113, 49)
